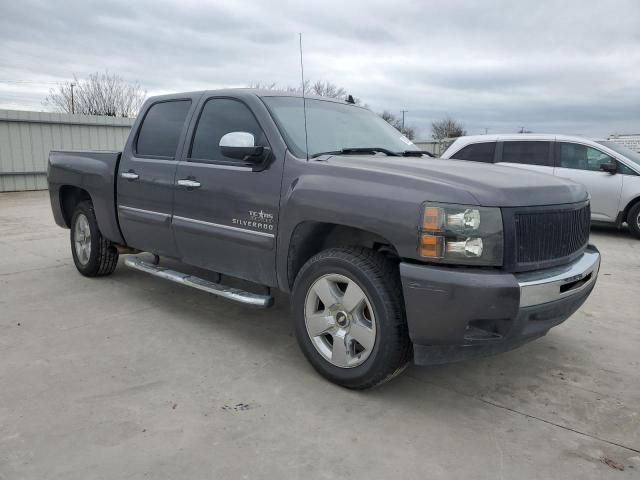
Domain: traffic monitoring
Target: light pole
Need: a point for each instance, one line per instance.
(403, 112)
(73, 110)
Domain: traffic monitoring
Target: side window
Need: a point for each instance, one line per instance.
(530, 153)
(477, 152)
(161, 128)
(581, 157)
(219, 117)
(624, 170)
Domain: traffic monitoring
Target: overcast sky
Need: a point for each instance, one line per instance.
(561, 67)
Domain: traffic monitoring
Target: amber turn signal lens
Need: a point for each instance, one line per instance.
(432, 219)
(431, 246)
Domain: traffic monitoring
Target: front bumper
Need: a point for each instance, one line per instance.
(458, 313)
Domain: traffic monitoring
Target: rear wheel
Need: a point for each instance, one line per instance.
(93, 255)
(633, 220)
(349, 317)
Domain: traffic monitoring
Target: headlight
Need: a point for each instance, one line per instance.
(460, 234)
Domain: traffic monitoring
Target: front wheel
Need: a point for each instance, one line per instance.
(633, 220)
(93, 255)
(349, 317)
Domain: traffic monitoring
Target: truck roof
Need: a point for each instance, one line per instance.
(243, 92)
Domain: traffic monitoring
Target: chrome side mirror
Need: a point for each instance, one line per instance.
(241, 146)
(238, 139)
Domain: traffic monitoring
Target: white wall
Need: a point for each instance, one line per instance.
(27, 137)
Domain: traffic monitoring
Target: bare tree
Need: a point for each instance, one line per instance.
(100, 94)
(321, 88)
(264, 86)
(396, 123)
(447, 128)
(327, 89)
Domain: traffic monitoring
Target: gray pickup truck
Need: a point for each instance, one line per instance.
(389, 255)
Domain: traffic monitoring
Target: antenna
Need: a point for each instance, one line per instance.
(304, 102)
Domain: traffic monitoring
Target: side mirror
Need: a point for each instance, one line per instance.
(241, 145)
(609, 167)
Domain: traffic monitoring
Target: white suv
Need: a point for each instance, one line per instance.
(610, 171)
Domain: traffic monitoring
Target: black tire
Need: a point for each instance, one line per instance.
(102, 258)
(378, 277)
(633, 220)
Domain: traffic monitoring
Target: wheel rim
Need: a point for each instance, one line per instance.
(340, 321)
(82, 239)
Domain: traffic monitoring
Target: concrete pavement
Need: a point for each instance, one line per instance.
(133, 377)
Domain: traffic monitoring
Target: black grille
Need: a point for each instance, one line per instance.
(551, 234)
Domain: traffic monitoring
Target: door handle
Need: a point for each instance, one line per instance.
(130, 175)
(186, 182)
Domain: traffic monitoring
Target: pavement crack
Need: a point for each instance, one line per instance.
(36, 269)
(528, 415)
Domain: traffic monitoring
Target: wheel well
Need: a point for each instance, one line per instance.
(625, 213)
(310, 238)
(70, 196)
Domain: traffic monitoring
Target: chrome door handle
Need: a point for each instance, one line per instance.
(130, 175)
(185, 182)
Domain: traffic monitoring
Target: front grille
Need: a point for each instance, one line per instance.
(551, 234)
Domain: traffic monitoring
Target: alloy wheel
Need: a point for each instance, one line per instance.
(340, 321)
(82, 239)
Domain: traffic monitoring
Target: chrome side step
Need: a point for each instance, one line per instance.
(230, 293)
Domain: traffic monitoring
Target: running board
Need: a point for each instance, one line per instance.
(230, 293)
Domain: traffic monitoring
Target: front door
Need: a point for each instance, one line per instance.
(581, 164)
(226, 212)
(146, 178)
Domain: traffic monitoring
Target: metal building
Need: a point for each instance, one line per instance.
(27, 137)
(629, 140)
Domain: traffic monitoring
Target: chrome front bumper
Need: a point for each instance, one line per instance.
(540, 287)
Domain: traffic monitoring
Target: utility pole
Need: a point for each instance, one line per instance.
(73, 109)
(403, 112)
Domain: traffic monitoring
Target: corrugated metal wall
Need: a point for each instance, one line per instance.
(27, 137)
(436, 147)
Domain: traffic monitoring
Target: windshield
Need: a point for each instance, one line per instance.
(333, 126)
(622, 150)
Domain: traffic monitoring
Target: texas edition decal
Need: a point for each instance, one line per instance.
(260, 220)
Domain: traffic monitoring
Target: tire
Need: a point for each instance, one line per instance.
(633, 220)
(94, 256)
(373, 334)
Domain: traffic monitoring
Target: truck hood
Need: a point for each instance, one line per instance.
(489, 185)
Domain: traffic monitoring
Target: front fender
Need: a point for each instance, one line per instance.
(386, 211)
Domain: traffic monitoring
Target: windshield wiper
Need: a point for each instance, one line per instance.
(347, 151)
(415, 153)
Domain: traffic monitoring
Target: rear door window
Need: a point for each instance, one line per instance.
(161, 128)
(529, 153)
(477, 152)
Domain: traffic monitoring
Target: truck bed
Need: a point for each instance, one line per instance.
(94, 172)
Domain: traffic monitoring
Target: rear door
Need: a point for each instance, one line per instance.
(225, 211)
(536, 155)
(581, 163)
(146, 173)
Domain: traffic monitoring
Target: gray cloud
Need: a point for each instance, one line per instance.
(570, 67)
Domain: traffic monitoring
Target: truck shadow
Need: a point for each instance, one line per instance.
(270, 330)
(611, 231)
